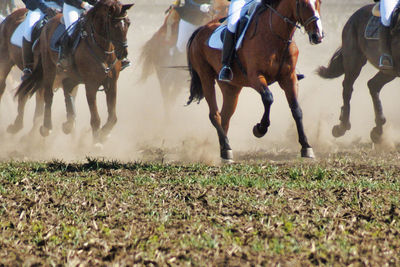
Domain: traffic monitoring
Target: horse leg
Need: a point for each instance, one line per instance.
(69, 99)
(375, 85)
(49, 76)
(290, 87)
(39, 111)
(353, 64)
(91, 97)
(111, 97)
(19, 120)
(5, 69)
(267, 98)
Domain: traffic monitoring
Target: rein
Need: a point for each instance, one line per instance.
(106, 67)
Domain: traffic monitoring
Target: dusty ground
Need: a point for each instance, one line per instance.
(172, 204)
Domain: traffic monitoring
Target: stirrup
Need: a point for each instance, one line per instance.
(26, 73)
(226, 74)
(385, 62)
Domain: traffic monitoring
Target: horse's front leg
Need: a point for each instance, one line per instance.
(111, 97)
(69, 88)
(260, 129)
(39, 111)
(290, 86)
(375, 85)
(91, 97)
(19, 120)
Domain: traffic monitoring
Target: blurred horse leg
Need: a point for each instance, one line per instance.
(375, 85)
(69, 87)
(111, 97)
(91, 97)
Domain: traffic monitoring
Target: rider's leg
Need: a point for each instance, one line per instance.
(235, 10)
(386, 8)
(71, 14)
(27, 55)
(185, 30)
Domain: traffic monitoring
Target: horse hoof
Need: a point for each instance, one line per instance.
(307, 153)
(227, 155)
(376, 135)
(68, 127)
(44, 131)
(227, 161)
(258, 132)
(13, 129)
(338, 131)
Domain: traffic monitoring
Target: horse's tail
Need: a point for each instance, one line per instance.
(335, 66)
(33, 83)
(196, 89)
(148, 57)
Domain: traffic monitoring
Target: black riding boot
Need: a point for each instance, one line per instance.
(27, 56)
(64, 60)
(226, 74)
(385, 61)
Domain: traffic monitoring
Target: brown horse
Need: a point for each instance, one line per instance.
(96, 63)
(268, 55)
(10, 56)
(156, 54)
(356, 50)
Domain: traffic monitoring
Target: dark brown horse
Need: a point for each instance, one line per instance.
(156, 55)
(356, 50)
(96, 63)
(268, 56)
(11, 55)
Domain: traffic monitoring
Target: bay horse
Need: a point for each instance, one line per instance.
(11, 55)
(350, 58)
(97, 62)
(268, 55)
(156, 55)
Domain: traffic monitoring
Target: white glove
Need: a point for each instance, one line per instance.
(205, 8)
(86, 6)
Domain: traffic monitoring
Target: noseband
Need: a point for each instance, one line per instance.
(308, 21)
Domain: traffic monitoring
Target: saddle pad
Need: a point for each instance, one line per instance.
(1, 18)
(54, 44)
(16, 37)
(216, 39)
(372, 29)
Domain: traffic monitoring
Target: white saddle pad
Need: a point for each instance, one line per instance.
(215, 40)
(16, 38)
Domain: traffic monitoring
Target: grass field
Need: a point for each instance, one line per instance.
(342, 209)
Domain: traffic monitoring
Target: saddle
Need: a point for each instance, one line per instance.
(248, 13)
(16, 38)
(60, 35)
(372, 28)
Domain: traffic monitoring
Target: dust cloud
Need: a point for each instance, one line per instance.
(144, 134)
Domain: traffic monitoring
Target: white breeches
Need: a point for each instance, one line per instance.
(32, 17)
(387, 7)
(235, 13)
(186, 30)
(71, 15)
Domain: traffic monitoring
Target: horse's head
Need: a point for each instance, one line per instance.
(308, 15)
(110, 18)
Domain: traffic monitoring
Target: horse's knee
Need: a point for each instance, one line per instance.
(267, 97)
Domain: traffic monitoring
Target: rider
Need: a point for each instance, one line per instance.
(192, 14)
(234, 14)
(38, 9)
(386, 8)
(72, 10)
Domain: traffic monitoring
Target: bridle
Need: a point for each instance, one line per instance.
(117, 44)
(308, 21)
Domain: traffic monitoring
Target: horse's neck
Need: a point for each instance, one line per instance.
(279, 27)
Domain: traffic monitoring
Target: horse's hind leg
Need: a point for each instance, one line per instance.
(5, 69)
(375, 85)
(39, 111)
(353, 61)
(69, 88)
(19, 120)
(91, 97)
